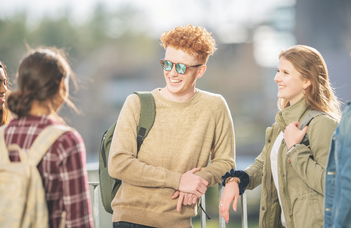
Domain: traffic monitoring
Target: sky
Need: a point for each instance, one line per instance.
(162, 13)
(231, 20)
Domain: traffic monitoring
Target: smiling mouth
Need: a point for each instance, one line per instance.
(174, 80)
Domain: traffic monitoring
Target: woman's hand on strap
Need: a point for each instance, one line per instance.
(293, 135)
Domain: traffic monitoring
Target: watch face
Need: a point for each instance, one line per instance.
(229, 179)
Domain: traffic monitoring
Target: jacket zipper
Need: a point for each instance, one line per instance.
(267, 170)
(285, 189)
(280, 117)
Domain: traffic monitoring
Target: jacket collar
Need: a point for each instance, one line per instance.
(292, 113)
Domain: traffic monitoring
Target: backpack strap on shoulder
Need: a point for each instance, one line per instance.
(147, 116)
(305, 122)
(44, 141)
(308, 118)
(4, 154)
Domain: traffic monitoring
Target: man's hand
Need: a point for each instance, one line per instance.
(190, 183)
(230, 194)
(184, 198)
(293, 135)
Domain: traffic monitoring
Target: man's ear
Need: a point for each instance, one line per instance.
(201, 71)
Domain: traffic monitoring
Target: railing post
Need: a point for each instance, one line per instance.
(96, 203)
(220, 192)
(244, 223)
(203, 215)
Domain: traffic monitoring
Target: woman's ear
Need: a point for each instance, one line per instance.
(306, 84)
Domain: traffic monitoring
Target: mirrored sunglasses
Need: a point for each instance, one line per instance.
(181, 68)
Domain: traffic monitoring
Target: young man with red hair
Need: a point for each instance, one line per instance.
(162, 186)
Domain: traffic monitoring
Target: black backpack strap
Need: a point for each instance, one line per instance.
(147, 116)
(305, 122)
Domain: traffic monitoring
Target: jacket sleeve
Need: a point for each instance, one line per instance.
(343, 215)
(122, 162)
(310, 162)
(255, 170)
(223, 155)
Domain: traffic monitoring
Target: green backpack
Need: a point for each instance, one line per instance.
(108, 185)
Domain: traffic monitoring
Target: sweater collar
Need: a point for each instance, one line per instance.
(292, 113)
(157, 94)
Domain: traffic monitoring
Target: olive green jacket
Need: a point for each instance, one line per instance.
(300, 172)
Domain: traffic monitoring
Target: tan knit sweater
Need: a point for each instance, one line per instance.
(184, 136)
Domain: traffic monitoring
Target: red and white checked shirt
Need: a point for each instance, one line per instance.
(62, 169)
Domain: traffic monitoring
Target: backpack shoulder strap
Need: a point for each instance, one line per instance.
(308, 118)
(4, 154)
(147, 115)
(306, 121)
(44, 141)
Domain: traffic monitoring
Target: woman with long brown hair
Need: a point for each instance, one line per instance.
(43, 87)
(5, 114)
(291, 172)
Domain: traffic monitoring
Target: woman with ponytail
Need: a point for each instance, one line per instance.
(43, 79)
(290, 171)
(5, 114)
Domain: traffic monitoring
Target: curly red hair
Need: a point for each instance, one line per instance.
(190, 39)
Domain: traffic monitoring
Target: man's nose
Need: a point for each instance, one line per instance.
(173, 71)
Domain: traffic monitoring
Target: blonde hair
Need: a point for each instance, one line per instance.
(311, 65)
(190, 39)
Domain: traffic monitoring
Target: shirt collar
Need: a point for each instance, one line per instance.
(292, 113)
(30, 120)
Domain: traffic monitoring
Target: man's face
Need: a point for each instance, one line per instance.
(181, 87)
(3, 88)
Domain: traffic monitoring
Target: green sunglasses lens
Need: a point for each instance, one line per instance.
(167, 65)
(180, 68)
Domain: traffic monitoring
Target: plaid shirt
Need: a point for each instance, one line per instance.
(62, 170)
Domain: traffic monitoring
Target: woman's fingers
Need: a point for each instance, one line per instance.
(230, 194)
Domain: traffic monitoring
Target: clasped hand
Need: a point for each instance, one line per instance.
(191, 187)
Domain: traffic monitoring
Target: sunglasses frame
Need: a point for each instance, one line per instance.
(186, 69)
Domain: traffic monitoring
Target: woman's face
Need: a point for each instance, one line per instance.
(290, 82)
(3, 88)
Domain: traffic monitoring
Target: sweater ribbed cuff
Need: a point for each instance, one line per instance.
(172, 180)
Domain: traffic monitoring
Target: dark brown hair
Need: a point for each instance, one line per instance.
(5, 114)
(38, 77)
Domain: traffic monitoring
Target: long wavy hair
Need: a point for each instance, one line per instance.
(311, 65)
(5, 114)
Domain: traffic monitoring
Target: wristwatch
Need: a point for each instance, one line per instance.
(231, 179)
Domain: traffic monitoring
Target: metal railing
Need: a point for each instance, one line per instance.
(96, 210)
